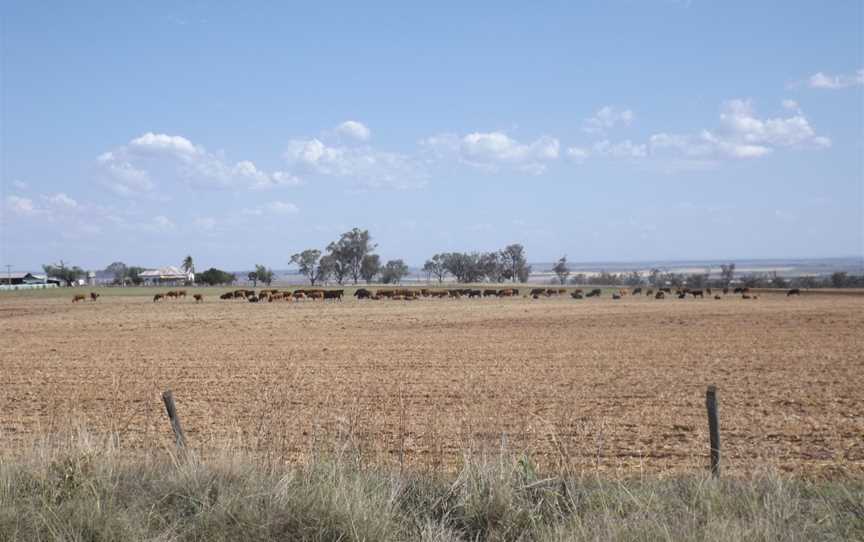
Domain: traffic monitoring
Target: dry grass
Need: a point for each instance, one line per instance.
(82, 488)
(585, 387)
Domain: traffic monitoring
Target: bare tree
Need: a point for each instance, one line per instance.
(436, 266)
(727, 273)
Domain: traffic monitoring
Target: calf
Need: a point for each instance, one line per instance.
(793, 291)
(616, 296)
(636, 291)
(158, 297)
(78, 298)
(94, 296)
(660, 295)
(198, 298)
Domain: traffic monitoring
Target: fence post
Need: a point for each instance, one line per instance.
(713, 429)
(171, 408)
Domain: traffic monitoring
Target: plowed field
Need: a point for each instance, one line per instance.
(593, 384)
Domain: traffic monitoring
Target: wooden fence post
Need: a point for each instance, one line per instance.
(168, 399)
(713, 429)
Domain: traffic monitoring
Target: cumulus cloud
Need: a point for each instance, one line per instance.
(272, 208)
(492, 151)
(128, 168)
(606, 118)
(743, 134)
(833, 82)
(355, 130)
(623, 149)
(371, 167)
(578, 154)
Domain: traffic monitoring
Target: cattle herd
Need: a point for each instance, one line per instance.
(409, 294)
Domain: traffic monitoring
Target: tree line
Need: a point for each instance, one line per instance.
(352, 258)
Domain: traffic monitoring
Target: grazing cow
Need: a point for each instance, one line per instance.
(171, 295)
(717, 297)
(660, 295)
(227, 295)
(440, 294)
(474, 293)
(315, 294)
(181, 293)
(725, 291)
(275, 296)
(456, 294)
(576, 294)
(697, 293)
(515, 291)
(682, 295)
(666, 290)
(198, 298)
(78, 298)
(385, 293)
(551, 291)
(738, 290)
(616, 296)
(362, 293)
(333, 294)
(506, 292)
(298, 295)
(562, 291)
(793, 291)
(649, 293)
(490, 293)
(596, 292)
(537, 292)
(636, 291)
(158, 297)
(708, 291)
(252, 299)
(535, 296)
(94, 296)
(745, 296)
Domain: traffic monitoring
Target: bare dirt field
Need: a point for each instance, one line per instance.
(594, 384)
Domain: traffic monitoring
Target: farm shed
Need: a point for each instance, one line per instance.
(166, 276)
(23, 281)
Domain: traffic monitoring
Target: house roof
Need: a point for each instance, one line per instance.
(169, 272)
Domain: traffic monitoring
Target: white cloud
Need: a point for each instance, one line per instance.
(62, 200)
(606, 118)
(624, 149)
(490, 151)
(272, 208)
(18, 184)
(578, 154)
(373, 168)
(161, 223)
(354, 129)
(833, 82)
(743, 134)
(21, 206)
(128, 168)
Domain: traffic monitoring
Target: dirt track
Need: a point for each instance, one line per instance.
(614, 385)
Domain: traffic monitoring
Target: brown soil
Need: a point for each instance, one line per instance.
(617, 386)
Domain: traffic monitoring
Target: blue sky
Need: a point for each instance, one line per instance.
(607, 131)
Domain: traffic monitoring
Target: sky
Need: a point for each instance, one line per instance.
(243, 132)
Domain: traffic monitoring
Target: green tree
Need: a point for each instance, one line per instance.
(393, 271)
(348, 253)
(119, 271)
(514, 261)
(839, 279)
(562, 270)
(435, 266)
(371, 267)
(312, 265)
(63, 272)
(253, 276)
(213, 277)
(133, 273)
(264, 274)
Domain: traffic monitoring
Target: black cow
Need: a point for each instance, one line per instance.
(362, 293)
(793, 291)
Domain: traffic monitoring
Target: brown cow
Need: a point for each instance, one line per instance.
(94, 296)
(507, 292)
(660, 295)
(78, 298)
(181, 293)
(158, 297)
(315, 294)
(198, 298)
(490, 293)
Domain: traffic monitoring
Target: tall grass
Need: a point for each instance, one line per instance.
(86, 489)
